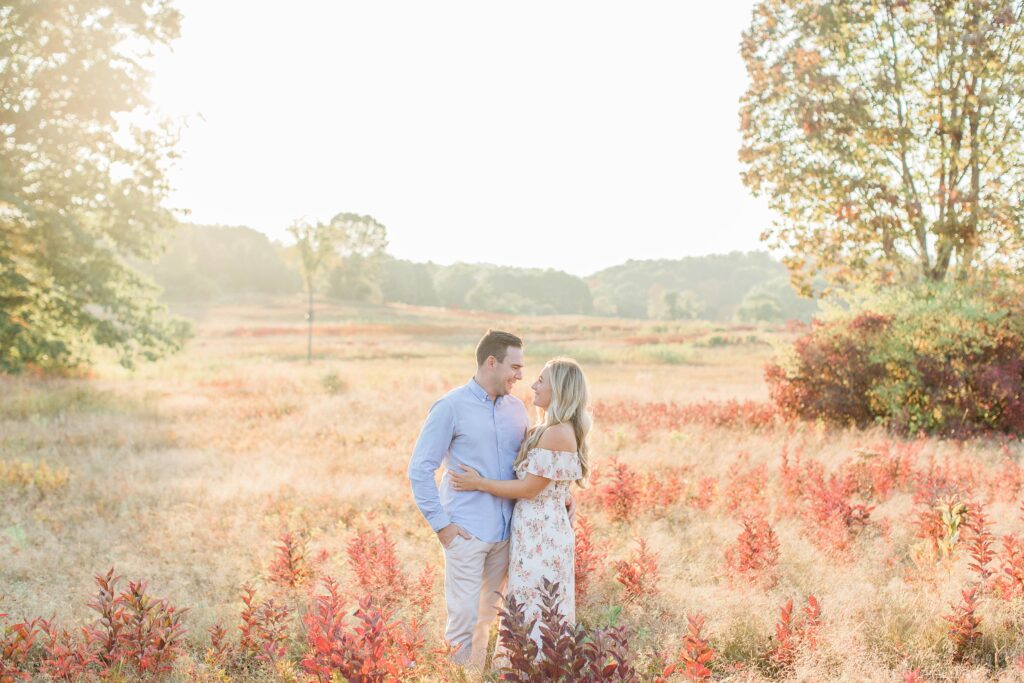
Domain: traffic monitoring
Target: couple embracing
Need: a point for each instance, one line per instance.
(503, 513)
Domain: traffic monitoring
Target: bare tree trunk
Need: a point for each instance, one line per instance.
(309, 334)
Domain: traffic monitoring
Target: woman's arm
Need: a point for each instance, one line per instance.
(470, 480)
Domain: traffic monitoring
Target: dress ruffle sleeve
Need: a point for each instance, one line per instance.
(554, 465)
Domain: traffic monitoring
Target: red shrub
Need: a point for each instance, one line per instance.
(792, 635)
(134, 629)
(883, 469)
(831, 515)
(695, 654)
(707, 487)
(979, 540)
(621, 492)
(289, 568)
(1009, 583)
(638, 574)
(264, 627)
(590, 556)
(963, 625)
(374, 648)
(833, 373)
(955, 477)
(755, 554)
(663, 489)
(64, 656)
(791, 482)
(372, 558)
(1005, 485)
(16, 642)
(745, 486)
(567, 652)
(220, 652)
(647, 418)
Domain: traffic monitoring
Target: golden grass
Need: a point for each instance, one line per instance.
(185, 472)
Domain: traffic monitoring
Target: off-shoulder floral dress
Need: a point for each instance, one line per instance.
(543, 543)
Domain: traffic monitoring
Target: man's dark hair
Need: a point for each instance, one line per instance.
(496, 344)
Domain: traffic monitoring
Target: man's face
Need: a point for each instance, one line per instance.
(509, 371)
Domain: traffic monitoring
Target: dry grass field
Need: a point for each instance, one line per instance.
(186, 474)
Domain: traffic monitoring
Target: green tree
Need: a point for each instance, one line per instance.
(321, 247)
(454, 282)
(887, 134)
(679, 306)
(315, 246)
(356, 273)
(81, 190)
(408, 282)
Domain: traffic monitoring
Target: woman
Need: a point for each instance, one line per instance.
(554, 453)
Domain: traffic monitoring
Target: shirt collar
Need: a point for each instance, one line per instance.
(479, 391)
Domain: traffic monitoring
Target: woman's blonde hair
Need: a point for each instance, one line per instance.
(569, 400)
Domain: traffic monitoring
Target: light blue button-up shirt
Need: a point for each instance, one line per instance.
(466, 427)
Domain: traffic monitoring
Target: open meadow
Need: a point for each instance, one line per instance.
(809, 553)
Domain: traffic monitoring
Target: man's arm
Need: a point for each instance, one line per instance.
(468, 479)
(434, 441)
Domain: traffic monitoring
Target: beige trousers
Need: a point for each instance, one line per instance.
(474, 578)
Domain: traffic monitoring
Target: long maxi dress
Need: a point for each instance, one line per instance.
(542, 542)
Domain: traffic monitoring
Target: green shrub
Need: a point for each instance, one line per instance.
(942, 359)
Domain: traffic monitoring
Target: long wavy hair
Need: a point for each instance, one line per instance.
(569, 401)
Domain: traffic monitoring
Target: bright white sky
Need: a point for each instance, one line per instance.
(571, 135)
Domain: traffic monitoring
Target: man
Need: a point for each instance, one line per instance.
(479, 424)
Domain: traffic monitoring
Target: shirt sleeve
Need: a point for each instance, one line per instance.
(554, 465)
(432, 445)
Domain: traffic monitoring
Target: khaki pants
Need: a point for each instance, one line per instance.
(474, 575)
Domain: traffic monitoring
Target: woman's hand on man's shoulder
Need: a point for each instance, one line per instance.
(559, 437)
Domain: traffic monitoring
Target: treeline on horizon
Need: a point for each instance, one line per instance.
(206, 263)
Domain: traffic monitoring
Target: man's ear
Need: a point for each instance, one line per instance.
(491, 362)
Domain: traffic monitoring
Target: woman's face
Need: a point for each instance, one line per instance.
(542, 389)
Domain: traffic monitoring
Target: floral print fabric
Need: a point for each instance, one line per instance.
(542, 542)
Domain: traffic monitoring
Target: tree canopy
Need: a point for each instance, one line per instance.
(81, 188)
(887, 134)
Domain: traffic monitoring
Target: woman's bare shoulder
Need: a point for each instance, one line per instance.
(558, 437)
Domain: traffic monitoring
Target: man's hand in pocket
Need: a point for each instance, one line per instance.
(448, 534)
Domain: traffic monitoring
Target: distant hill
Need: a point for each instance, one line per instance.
(523, 291)
(750, 285)
(206, 262)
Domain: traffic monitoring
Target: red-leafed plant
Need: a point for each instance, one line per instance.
(563, 651)
(744, 488)
(290, 568)
(372, 558)
(833, 519)
(620, 492)
(755, 555)
(979, 542)
(647, 418)
(963, 625)
(134, 630)
(638, 574)
(264, 627)
(663, 489)
(373, 648)
(793, 635)
(65, 657)
(704, 496)
(590, 556)
(16, 642)
(1009, 583)
(221, 653)
(695, 654)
